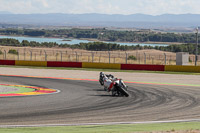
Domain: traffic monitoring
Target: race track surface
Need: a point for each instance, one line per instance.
(86, 102)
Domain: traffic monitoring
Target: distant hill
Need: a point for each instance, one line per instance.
(103, 20)
(5, 12)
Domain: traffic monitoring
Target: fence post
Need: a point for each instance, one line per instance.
(100, 58)
(24, 53)
(109, 56)
(76, 57)
(137, 55)
(69, 57)
(152, 60)
(92, 57)
(61, 55)
(56, 56)
(45, 55)
(81, 57)
(165, 58)
(18, 54)
(139, 58)
(31, 55)
(126, 58)
(35, 57)
(4, 54)
(193, 58)
(145, 58)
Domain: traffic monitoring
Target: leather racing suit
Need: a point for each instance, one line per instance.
(108, 83)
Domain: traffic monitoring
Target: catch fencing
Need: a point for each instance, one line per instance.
(117, 57)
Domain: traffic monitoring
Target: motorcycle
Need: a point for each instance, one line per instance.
(119, 89)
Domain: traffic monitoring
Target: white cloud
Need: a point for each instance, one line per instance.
(43, 2)
(153, 7)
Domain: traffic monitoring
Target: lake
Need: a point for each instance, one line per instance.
(72, 41)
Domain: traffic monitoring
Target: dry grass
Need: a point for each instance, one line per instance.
(188, 131)
(66, 54)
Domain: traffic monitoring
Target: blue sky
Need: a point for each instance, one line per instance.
(153, 7)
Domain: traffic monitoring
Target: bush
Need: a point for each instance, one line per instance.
(13, 51)
(190, 60)
(131, 57)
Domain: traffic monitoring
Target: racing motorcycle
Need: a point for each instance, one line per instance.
(119, 89)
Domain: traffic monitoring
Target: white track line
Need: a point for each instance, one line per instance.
(107, 123)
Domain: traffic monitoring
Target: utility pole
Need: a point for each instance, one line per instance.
(196, 54)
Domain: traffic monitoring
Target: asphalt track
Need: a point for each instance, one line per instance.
(85, 102)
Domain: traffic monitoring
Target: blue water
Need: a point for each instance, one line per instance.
(72, 41)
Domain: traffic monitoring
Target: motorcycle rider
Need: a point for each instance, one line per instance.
(116, 86)
(109, 81)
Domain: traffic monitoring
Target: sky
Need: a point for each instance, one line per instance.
(126, 7)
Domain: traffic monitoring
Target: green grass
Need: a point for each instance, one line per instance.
(104, 70)
(107, 128)
(21, 90)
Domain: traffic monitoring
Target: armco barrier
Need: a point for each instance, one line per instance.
(7, 62)
(31, 63)
(64, 64)
(142, 67)
(182, 68)
(101, 65)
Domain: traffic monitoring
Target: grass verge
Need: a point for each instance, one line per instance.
(129, 128)
(104, 70)
(21, 90)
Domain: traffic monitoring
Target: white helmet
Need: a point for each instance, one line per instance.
(101, 73)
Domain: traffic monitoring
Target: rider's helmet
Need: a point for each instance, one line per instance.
(101, 73)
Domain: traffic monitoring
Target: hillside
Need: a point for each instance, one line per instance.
(104, 20)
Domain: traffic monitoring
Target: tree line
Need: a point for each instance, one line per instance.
(99, 46)
(104, 35)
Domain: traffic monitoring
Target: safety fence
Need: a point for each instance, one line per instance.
(153, 57)
(103, 65)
